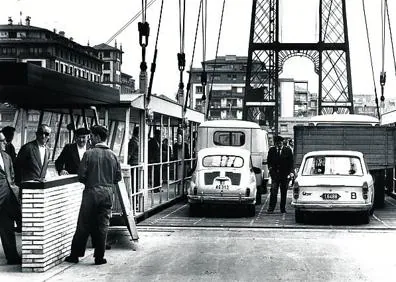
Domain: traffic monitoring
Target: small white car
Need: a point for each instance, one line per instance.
(333, 181)
(223, 175)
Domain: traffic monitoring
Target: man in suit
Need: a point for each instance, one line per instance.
(280, 165)
(33, 157)
(71, 155)
(99, 170)
(8, 132)
(10, 209)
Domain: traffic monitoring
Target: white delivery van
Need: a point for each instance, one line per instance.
(242, 134)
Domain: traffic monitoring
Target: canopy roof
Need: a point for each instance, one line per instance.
(33, 87)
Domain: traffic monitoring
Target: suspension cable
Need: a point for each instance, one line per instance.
(204, 76)
(371, 58)
(181, 56)
(391, 35)
(192, 58)
(383, 29)
(214, 67)
(129, 22)
(144, 32)
(153, 64)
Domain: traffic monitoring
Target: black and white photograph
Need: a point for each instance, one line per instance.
(197, 140)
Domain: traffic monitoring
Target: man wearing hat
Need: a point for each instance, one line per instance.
(68, 161)
(8, 132)
(280, 166)
(99, 171)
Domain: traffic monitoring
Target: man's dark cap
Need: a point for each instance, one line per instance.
(8, 130)
(82, 131)
(278, 139)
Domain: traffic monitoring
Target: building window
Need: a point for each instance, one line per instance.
(106, 54)
(283, 128)
(199, 89)
(106, 77)
(106, 66)
(56, 66)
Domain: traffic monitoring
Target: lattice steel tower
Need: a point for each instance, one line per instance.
(267, 55)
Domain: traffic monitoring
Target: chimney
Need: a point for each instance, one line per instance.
(54, 30)
(9, 21)
(62, 33)
(115, 43)
(71, 38)
(27, 21)
(88, 43)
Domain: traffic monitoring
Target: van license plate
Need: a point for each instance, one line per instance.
(222, 187)
(330, 196)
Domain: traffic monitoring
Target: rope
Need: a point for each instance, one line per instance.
(214, 67)
(192, 58)
(391, 36)
(153, 64)
(371, 58)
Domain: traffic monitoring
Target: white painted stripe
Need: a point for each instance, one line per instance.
(374, 216)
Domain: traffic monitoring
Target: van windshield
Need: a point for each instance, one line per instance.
(229, 138)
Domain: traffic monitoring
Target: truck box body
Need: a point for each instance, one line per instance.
(377, 143)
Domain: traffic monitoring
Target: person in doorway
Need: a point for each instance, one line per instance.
(9, 132)
(99, 171)
(10, 209)
(133, 148)
(32, 160)
(69, 160)
(154, 151)
(280, 165)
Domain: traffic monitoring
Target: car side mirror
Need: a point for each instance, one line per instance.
(256, 170)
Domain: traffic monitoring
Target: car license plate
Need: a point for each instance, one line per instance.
(222, 186)
(330, 196)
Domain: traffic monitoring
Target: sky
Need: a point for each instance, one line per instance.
(96, 21)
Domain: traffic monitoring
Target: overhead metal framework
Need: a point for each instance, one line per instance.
(267, 56)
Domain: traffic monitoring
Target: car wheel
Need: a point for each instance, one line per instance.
(194, 209)
(365, 217)
(251, 210)
(299, 216)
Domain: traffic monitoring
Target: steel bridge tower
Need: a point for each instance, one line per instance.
(267, 56)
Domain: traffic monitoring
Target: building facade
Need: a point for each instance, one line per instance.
(53, 50)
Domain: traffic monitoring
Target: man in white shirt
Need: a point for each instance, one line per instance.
(69, 160)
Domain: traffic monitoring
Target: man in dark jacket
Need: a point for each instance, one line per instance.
(68, 161)
(33, 157)
(99, 170)
(10, 209)
(280, 165)
(9, 132)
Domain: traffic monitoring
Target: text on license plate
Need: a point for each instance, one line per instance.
(222, 186)
(330, 196)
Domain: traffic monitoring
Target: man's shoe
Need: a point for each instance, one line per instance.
(71, 259)
(100, 261)
(14, 261)
(108, 247)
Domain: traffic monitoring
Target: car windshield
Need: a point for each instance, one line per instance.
(332, 165)
(222, 161)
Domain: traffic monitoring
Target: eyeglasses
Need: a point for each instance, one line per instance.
(45, 133)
